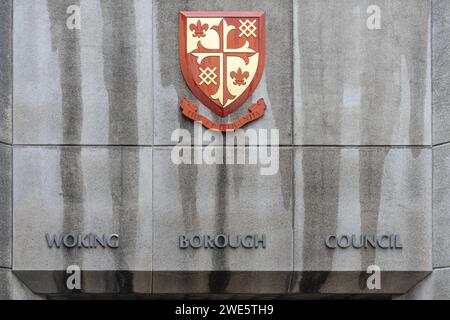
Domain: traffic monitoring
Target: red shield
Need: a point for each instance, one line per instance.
(222, 56)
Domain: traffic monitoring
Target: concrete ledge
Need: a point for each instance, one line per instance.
(434, 287)
(93, 282)
(220, 283)
(12, 288)
(354, 282)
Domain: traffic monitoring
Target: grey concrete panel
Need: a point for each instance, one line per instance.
(215, 199)
(275, 86)
(96, 283)
(11, 288)
(435, 287)
(83, 190)
(221, 282)
(441, 71)
(353, 282)
(86, 86)
(441, 203)
(5, 206)
(370, 191)
(5, 70)
(355, 86)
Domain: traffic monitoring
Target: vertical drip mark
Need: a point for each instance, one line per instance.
(218, 281)
(405, 103)
(124, 179)
(379, 89)
(371, 168)
(278, 70)
(166, 24)
(418, 77)
(238, 170)
(321, 171)
(119, 58)
(187, 177)
(321, 96)
(187, 181)
(286, 161)
(281, 95)
(67, 43)
(321, 36)
(120, 74)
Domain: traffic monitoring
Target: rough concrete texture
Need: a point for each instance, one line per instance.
(83, 190)
(361, 191)
(220, 199)
(333, 283)
(441, 71)
(5, 70)
(328, 81)
(355, 86)
(12, 288)
(215, 199)
(87, 86)
(435, 287)
(95, 283)
(5, 206)
(441, 203)
(222, 282)
(275, 86)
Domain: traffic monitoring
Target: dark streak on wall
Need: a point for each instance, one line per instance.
(67, 44)
(120, 74)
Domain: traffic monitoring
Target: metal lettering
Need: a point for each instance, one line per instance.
(328, 242)
(82, 241)
(384, 241)
(222, 241)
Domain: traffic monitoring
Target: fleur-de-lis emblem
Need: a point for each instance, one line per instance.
(199, 29)
(239, 77)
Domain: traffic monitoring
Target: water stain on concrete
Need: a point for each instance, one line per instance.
(120, 74)
(279, 64)
(218, 281)
(322, 81)
(312, 281)
(322, 92)
(168, 53)
(287, 176)
(418, 64)
(381, 79)
(371, 171)
(321, 172)
(124, 180)
(67, 43)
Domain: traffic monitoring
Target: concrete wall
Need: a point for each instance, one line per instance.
(5, 132)
(6, 71)
(436, 286)
(359, 86)
(94, 110)
(5, 206)
(441, 63)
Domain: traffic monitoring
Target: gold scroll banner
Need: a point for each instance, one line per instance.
(256, 111)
